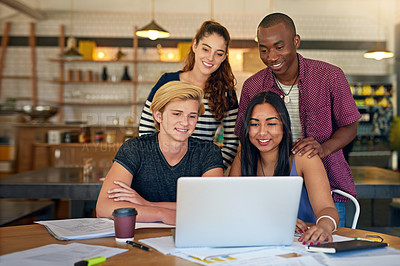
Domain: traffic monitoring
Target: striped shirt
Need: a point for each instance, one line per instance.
(325, 104)
(206, 124)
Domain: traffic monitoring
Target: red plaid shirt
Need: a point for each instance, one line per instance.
(325, 104)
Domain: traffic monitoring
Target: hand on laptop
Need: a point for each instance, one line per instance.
(313, 235)
(301, 226)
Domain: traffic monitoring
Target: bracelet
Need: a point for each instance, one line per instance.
(326, 216)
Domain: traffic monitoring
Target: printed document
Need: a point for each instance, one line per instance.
(295, 254)
(56, 254)
(85, 228)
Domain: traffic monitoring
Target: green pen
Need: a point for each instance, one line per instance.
(370, 240)
(90, 262)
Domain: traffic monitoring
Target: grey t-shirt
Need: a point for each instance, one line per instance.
(153, 178)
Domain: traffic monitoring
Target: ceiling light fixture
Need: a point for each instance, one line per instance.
(152, 31)
(378, 52)
(71, 52)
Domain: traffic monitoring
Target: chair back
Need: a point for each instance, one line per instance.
(356, 205)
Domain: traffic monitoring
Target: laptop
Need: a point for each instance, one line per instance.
(236, 211)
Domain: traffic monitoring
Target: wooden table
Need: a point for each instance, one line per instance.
(376, 183)
(18, 238)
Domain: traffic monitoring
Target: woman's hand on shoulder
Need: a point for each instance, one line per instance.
(123, 192)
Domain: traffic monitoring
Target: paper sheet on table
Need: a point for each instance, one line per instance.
(265, 255)
(85, 228)
(56, 254)
(268, 255)
(166, 245)
(153, 225)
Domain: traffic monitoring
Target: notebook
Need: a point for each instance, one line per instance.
(350, 245)
(236, 211)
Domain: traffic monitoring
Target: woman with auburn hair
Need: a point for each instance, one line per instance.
(146, 169)
(206, 66)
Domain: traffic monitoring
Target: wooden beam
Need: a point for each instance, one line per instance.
(21, 7)
(4, 42)
(32, 45)
(61, 67)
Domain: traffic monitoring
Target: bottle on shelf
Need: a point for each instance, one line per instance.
(126, 76)
(120, 54)
(84, 135)
(128, 134)
(104, 75)
(110, 137)
(99, 136)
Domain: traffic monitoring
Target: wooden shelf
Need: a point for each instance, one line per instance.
(62, 60)
(375, 96)
(152, 82)
(87, 103)
(129, 82)
(134, 60)
(74, 145)
(16, 77)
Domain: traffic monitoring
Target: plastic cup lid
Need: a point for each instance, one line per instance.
(123, 212)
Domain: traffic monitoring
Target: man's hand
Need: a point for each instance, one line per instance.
(125, 193)
(302, 146)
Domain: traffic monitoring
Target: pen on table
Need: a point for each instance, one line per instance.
(137, 245)
(90, 262)
(370, 240)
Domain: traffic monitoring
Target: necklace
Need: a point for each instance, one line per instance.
(287, 98)
(262, 166)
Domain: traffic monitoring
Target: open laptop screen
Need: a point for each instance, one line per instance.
(236, 211)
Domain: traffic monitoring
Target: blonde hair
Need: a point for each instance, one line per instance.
(175, 91)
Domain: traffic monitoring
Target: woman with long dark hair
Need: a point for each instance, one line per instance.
(266, 143)
(206, 66)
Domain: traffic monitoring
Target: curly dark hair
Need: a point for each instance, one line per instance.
(220, 86)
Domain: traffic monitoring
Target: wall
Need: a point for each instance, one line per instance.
(353, 20)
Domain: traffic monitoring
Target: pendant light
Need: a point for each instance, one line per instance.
(71, 52)
(378, 52)
(152, 31)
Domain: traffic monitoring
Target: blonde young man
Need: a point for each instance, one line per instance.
(145, 170)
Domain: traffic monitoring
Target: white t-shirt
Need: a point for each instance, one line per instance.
(293, 109)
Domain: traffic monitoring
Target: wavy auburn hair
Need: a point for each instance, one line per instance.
(221, 84)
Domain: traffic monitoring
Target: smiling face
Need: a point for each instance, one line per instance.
(178, 120)
(210, 52)
(266, 130)
(277, 46)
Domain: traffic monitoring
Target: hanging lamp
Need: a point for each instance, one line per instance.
(71, 52)
(378, 52)
(152, 31)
